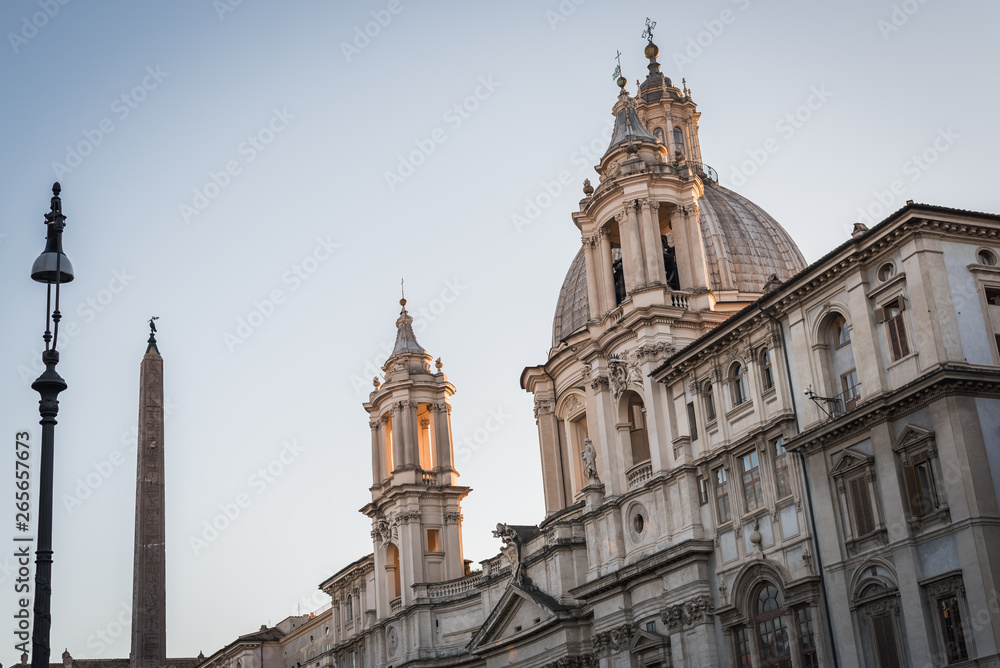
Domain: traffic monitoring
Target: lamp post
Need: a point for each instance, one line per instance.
(52, 268)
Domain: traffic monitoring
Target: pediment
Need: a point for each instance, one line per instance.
(518, 613)
(644, 640)
(849, 460)
(911, 436)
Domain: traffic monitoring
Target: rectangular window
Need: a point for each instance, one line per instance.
(767, 373)
(993, 296)
(807, 639)
(897, 329)
(864, 519)
(951, 627)
(850, 389)
(742, 648)
(722, 495)
(752, 491)
(919, 480)
(651, 626)
(782, 479)
(702, 490)
(432, 541)
(885, 641)
(350, 659)
(692, 423)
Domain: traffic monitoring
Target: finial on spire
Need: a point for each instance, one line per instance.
(402, 294)
(617, 76)
(647, 34)
(152, 334)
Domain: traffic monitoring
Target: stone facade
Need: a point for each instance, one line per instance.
(746, 461)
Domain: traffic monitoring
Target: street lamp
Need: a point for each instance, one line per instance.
(52, 268)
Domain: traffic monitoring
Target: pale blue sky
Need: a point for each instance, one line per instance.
(329, 127)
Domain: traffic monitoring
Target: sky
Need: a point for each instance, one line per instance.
(261, 176)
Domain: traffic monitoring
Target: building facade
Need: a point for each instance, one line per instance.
(747, 461)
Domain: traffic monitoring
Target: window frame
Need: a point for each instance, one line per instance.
(738, 380)
(890, 314)
(841, 332)
(711, 414)
(766, 369)
(754, 483)
(936, 591)
(782, 468)
(720, 490)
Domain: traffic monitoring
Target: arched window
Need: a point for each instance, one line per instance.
(844, 385)
(772, 628)
(638, 436)
(678, 140)
(658, 133)
(350, 607)
(841, 334)
(709, 402)
(738, 378)
(392, 570)
(766, 370)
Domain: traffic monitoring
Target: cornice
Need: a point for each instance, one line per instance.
(946, 381)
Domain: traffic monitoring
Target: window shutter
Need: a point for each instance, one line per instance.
(881, 315)
(885, 641)
(904, 348)
(913, 491)
(862, 506)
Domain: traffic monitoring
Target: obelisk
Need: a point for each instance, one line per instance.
(149, 605)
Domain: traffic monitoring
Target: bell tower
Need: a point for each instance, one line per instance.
(641, 232)
(415, 507)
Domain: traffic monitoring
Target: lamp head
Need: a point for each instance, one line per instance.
(52, 266)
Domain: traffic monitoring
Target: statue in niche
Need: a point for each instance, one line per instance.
(670, 262)
(589, 457)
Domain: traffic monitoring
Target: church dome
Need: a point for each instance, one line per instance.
(743, 247)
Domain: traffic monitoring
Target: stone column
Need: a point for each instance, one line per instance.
(442, 436)
(398, 435)
(607, 275)
(635, 247)
(589, 254)
(655, 269)
(681, 229)
(412, 444)
(377, 466)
